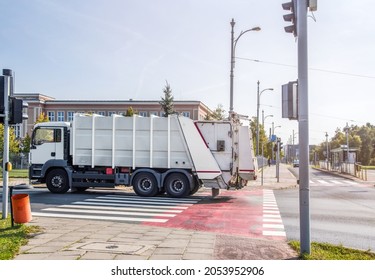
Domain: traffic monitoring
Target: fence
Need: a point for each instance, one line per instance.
(19, 161)
(353, 169)
(262, 161)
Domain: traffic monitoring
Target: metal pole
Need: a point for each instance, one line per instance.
(262, 148)
(273, 133)
(232, 23)
(257, 147)
(303, 125)
(294, 149)
(347, 148)
(7, 84)
(327, 155)
(262, 164)
(278, 160)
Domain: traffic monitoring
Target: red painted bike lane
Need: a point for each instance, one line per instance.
(232, 212)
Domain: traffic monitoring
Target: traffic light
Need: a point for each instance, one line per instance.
(291, 6)
(16, 107)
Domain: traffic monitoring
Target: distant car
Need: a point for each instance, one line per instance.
(296, 163)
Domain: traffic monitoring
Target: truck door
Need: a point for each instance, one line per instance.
(47, 143)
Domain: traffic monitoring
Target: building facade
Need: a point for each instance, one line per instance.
(64, 110)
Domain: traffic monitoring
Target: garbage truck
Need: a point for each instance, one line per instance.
(155, 155)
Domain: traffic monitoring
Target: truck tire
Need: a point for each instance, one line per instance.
(177, 185)
(144, 184)
(57, 181)
(195, 189)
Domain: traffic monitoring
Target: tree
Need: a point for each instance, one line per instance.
(359, 137)
(217, 114)
(25, 144)
(14, 145)
(130, 112)
(42, 118)
(263, 139)
(166, 102)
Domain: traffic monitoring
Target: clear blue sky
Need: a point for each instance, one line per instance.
(121, 49)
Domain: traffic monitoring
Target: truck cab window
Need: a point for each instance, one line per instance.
(46, 135)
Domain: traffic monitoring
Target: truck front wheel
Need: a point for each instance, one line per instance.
(144, 184)
(57, 181)
(177, 185)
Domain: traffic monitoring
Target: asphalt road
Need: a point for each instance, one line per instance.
(342, 211)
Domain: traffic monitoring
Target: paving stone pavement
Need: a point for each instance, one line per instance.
(68, 239)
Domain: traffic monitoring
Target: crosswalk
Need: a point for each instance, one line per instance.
(272, 222)
(328, 182)
(127, 208)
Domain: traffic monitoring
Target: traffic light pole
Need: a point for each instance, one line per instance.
(7, 84)
(278, 161)
(303, 128)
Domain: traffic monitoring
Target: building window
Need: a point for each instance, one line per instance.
(122, 113)
(111, 113)
(70, 116)
(143, 114)
(101, 113)
(37, 112)
(17, 130)
(186, 114)
(60, 116)
(162, 114)
(51, 116)
(154, 113)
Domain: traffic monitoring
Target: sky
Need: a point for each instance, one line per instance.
(129, 49)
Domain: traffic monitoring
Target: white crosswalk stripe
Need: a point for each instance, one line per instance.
(121, 208)
(333, 182)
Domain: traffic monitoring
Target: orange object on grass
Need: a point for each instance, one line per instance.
(21, 208)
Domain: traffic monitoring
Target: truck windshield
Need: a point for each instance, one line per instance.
(46, 135)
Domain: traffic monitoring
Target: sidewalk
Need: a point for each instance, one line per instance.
(73, 239)
(270, 181)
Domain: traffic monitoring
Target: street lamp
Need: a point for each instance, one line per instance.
(232, 56)
(274, 128)
(258, 97)
(263, 118)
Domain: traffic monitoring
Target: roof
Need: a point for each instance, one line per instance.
(341, 149)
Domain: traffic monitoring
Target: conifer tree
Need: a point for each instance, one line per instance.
(166, 102)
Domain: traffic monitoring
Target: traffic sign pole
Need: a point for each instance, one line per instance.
(7, 86)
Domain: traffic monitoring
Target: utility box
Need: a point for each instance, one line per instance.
(290, 101)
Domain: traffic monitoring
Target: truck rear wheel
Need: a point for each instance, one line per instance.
(144, 184)
(57, 181)
(177, 185)
(195, 189)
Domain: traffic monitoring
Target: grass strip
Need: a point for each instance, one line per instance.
(326, 251)
(12, 238)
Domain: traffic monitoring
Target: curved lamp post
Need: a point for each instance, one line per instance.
(258, 97)
(232, 56)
